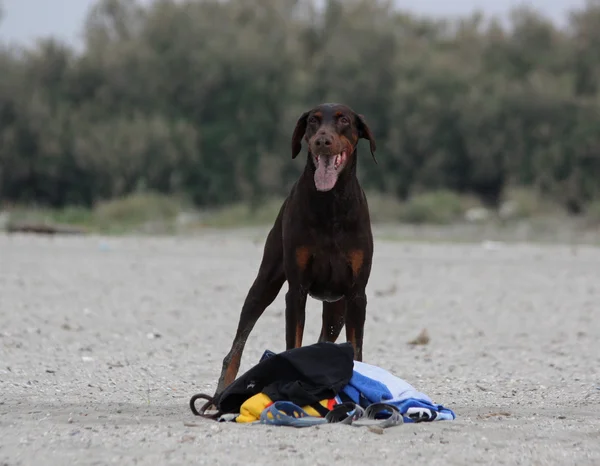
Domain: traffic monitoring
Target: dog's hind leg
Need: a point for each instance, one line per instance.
(333, 320)
(264, 290)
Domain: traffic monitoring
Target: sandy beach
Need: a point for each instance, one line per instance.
(104, 340)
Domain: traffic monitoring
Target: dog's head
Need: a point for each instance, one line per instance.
(332, 132)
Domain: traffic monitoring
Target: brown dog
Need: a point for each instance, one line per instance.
(321, 242)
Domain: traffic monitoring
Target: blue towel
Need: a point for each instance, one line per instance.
(414, 410)
(371, 389)
(378, 385)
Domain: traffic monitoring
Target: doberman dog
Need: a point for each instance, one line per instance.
(321, 242)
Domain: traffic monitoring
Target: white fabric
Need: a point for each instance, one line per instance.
(400, 389)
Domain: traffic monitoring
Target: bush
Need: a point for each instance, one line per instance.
(524, 203)
(136, 210)
(244, 213)
(437, 207)
(384, 208)
(593, 214)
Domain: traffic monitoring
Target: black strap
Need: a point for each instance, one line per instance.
(345, 398)
(322, 410)
(201, 412)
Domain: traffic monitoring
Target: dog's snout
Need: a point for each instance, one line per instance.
(323, 140)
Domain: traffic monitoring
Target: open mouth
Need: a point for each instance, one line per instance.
(328, 168)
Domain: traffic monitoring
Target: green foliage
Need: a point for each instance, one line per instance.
(435, 207)
(73, 216)
(384, 208)
(593, 212)
(524, 203)
(199, 98)
(243, 214)
(136, 210)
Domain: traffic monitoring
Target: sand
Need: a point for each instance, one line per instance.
(104, 340)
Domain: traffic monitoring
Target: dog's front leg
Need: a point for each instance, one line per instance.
(356, 310)
(295, 307)
(262, 293)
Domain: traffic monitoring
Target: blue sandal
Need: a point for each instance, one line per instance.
(285, 413)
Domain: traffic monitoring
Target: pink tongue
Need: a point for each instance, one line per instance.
(326, 175)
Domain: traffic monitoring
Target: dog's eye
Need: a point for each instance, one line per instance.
(312, 121)
(344, 121)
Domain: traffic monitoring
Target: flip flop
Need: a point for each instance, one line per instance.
(345, 413)
(285, 413)
(373, 416)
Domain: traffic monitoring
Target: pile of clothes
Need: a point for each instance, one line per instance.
(321, 383)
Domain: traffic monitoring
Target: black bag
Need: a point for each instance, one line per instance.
(304, 376)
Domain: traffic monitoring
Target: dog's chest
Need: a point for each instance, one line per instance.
(328, 275)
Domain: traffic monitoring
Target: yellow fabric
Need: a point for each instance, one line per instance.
(252, 408)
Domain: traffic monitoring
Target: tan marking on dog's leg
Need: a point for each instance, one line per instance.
(232, 370)
(302, 256)
(356, 258)
(351, 338)
(299, 335)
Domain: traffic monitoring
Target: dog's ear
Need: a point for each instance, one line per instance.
(299, 131)
(364, 132)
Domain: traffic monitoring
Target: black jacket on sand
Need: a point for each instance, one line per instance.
(304, 376)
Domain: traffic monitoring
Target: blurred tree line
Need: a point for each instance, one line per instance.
(201, 97)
